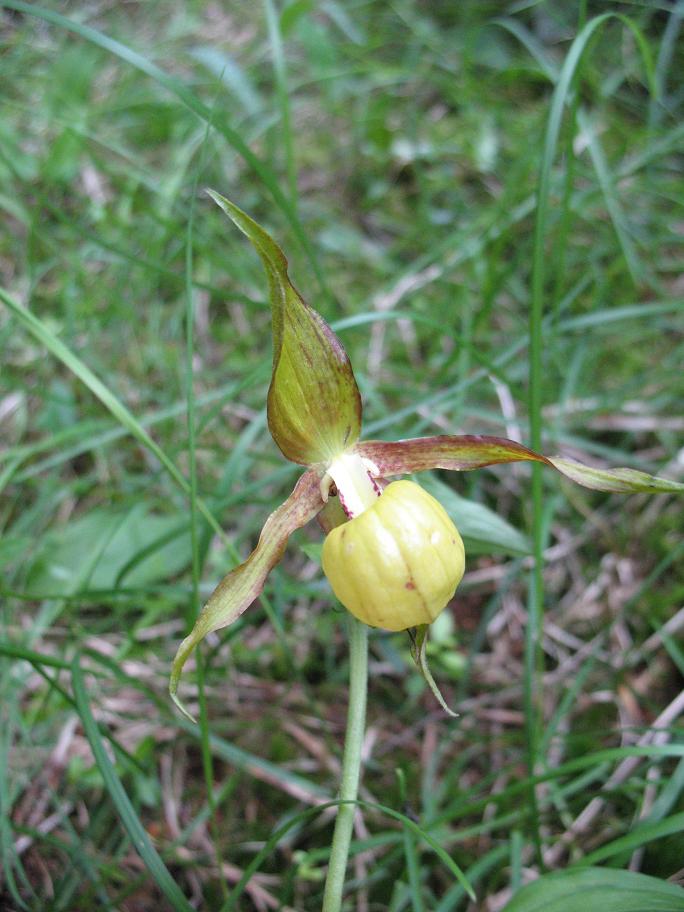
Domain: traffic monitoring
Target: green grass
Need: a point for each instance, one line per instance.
(485, 199)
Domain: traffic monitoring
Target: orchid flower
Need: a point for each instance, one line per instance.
(392, 555)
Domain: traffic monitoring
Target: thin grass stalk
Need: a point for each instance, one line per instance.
(272, 20)
(533, 654)
(196, 565)
(566, 216)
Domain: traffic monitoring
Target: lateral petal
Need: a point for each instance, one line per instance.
(462, 453)
(243, 585)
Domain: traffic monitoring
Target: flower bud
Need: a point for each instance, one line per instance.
(397, 564)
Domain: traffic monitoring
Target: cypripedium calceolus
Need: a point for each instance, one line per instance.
(392, 554)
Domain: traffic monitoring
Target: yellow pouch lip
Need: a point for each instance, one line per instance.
(397, 564)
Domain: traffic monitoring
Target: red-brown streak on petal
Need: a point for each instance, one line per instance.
(243, 585)
(304, 417)
(460, 453)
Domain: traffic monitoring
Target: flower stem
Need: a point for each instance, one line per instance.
(351, 765)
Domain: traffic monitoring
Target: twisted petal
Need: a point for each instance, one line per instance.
(471, 452)
(243, 584)
(620, 481)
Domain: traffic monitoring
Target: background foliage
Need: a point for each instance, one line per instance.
(394, 151)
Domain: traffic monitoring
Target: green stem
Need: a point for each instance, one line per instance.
(351, 765)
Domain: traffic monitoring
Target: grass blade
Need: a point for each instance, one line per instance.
(561, 96)
(130, 820)
(56, 347)
(190, 100)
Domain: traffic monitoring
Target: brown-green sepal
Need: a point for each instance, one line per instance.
(244, 584)
(314, 405)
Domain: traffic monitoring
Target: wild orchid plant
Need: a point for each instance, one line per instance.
(391, 554)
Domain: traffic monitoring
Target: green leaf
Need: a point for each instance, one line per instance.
(637, 837)
(292, 13)
(243, 585)
(137, 548)
(314, 405)
(483, 531)
(469, 452)
(598, 890)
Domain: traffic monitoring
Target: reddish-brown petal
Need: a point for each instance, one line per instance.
(444, 452)
(469, 452)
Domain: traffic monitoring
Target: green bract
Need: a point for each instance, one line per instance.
(314, 415)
